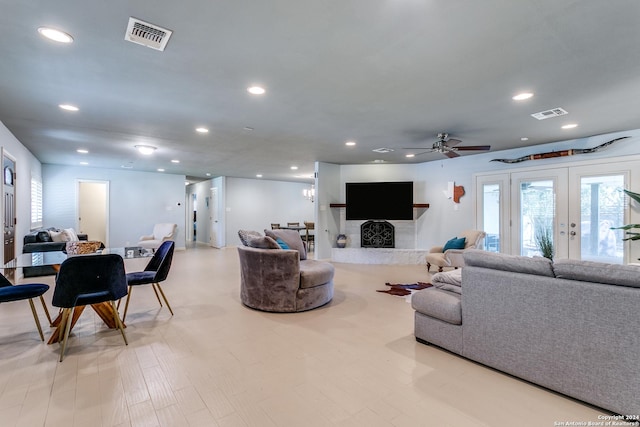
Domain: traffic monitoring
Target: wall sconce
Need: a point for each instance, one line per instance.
(309, 193)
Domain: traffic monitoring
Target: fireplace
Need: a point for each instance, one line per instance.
(377, 234)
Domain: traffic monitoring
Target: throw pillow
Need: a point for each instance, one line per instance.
(455, 243)
(262, 242)
(291, 238)
(282, 244)
(245, 235)
(70, 233)
(43, 236)
(56, 236)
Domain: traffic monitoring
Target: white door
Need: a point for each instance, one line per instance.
(93, 210)
(579, 206)
(596, 206)
(492, 214)
(540, 206)
(214, 220)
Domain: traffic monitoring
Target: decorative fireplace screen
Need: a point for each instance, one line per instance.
(377, 234)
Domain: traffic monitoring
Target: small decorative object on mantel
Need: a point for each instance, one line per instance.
(563, 153)
(341, 241)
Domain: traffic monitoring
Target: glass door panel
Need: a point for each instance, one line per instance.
(602, 207)
(491, 216)
(537, 215)
(539, 212)
(492, 212)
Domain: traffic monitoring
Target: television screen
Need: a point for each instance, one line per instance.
(379, 200)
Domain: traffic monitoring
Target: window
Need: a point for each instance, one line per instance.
(36, 202)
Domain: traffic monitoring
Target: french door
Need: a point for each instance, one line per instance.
(577, 208)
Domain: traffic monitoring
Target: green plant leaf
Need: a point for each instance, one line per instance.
(626, 227)
(634, 196)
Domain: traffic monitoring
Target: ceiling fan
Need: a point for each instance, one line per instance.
(447, 146)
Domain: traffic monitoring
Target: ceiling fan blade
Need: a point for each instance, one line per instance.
(417, 148)
(451, 154)
(474, 147)
(451, 142)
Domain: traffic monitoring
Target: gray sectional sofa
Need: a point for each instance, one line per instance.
(570, 326)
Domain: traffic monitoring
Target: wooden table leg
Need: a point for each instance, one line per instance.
(57, 334)
(105, 312)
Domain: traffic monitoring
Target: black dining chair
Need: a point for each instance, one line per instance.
(10, 292)
(89, 280)
(155, 272)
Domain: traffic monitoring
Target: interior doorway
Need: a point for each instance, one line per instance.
(93, 210)
(9, 216)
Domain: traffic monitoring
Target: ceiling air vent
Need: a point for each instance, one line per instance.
(554, 112)
(147, 34)
(383, 150)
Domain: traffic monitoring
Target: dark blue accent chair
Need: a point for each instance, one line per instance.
(155, 272)
(89, 279)
(9, 293)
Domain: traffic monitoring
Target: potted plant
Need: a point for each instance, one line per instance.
(544, 241)
(632, 235)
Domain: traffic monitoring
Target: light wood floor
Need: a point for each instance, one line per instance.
(353, 362)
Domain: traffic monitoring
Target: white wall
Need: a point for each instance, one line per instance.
(137, 200)
(253, 204)
(444, 218)
(26, 165)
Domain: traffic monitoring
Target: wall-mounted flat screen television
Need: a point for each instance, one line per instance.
(379, 200)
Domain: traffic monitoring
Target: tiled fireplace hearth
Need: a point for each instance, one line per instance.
(381, 242)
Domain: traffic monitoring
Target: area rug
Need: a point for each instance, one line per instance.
(404, 290)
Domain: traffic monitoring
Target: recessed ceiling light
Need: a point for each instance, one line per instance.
(522, 96)
(84, 163)
(175, 161)
(570, 126)
(82, 151)
(55, 35)
(126, 166)
(410, 155)
(146, 149)
(259, 175)
(160, 170)
(256, 90)
(350, 143)
(68, 107)
(186, 183)
(524, 138)
(248, 128)
(208, 174)
(202, 130)
(294, 168)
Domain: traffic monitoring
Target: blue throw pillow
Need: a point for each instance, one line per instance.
(455, 243)
(282, 244)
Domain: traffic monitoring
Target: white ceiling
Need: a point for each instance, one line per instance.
(386, 73)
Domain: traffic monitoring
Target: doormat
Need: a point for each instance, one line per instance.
(404, 290)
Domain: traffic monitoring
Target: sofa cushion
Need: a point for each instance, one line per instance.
(56, 236)
(291, 238)
(598, 272)
(448, 281)
(518, 264)
(282, 243)
(42, 236)
(455, 243)
(69, 235)
(262, 242)
(315, 273)
(244, 235)
(437, 303)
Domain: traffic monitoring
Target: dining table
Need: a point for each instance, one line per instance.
(55, 259)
